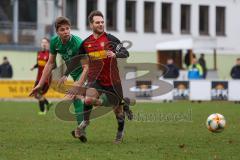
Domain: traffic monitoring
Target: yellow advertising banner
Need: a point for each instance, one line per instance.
(21, 89)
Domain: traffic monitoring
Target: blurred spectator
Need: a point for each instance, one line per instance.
(235, 72)
(202, 62)
(195, 70)
(42, 59)
(187, 58)
(172, 70)
(6, 69)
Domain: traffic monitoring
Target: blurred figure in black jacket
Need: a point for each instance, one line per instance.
(235, 72)
(171, 71)
(6, 69)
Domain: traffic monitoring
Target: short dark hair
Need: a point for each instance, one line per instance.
(238, 59)
(5, 58)
(94, 13)
(61, 21)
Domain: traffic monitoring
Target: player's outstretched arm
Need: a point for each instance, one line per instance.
(119, 50)
(84, 73)
(35, 66)
(74, 91)
(46, 73)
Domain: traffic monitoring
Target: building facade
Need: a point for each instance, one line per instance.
(143, 22)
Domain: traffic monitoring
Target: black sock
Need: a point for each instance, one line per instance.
(121, 122)
(46, 101)
(41, 106)
(87, 112)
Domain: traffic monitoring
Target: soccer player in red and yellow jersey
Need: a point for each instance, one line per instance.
(42, 58)
(102, 50)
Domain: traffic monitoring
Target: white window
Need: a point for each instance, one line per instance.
(220, 21)
(149, 17)
(203, 20)
(130, 24)
(185, 19)
(166, 17)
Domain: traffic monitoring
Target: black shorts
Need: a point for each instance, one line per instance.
(43, 90)
(114, 93)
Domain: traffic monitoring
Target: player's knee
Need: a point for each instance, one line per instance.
(92, 92)
(88, 101)
(120, 116)
(118, 110)
(38, 96)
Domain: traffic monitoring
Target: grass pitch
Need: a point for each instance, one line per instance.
(168, 131)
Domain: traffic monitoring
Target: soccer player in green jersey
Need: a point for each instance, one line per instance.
(67, 45)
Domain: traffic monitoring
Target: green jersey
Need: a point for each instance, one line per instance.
(67, 51)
